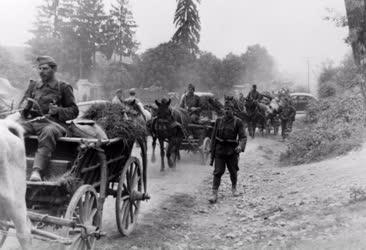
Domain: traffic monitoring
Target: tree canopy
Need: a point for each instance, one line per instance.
(188, 25)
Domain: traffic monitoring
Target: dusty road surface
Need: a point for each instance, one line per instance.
(315, 206)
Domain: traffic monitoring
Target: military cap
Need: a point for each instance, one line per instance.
(46, 60)
(191, 86)
(132, 91)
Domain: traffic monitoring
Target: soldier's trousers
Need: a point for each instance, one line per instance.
(285, 128)
(221, 162)
(47, 133)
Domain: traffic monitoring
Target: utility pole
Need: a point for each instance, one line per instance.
(308, 63)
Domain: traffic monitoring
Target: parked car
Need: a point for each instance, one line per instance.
(301, 101)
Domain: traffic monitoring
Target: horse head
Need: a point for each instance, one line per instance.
(164, 111)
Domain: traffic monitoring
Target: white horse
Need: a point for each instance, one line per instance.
(13, 180)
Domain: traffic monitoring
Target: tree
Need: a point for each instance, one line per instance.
(209, 69)
(87, 25)
(232, 71)
(188, 25)
(122, 27)
(18, 74)
(259, 64)
(53, 35)
(356, 21)
(161, 66)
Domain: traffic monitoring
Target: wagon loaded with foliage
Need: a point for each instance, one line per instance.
(67, 207)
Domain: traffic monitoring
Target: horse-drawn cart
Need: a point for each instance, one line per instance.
(67, 207)
(198, 140)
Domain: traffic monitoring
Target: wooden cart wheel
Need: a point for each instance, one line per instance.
(129, 196)
(206, 151)
(3, 230)
(83, 208)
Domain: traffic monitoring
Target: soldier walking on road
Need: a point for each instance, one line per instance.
(287, 113)
(228, 141)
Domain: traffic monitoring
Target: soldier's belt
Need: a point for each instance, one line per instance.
(226, 140)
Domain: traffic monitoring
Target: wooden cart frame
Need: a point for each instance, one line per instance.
(73, 201)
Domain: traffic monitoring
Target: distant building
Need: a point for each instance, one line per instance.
(87, 91)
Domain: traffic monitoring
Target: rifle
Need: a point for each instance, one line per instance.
(213, 144)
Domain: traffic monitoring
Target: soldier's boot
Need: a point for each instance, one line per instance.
(35, 176)
(213, 198)
(234, 191)
(40, 163)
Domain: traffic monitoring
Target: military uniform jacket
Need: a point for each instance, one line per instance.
(190, 101)
(56, 92)
(255, 95)
(287, 112)
(227, 135)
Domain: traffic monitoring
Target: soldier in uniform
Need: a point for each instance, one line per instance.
(287, 113)
(254, 94)
(54, 103)
(227, 142)
(191, 102)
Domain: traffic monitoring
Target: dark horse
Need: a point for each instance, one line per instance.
(255, 116)
(170, 125)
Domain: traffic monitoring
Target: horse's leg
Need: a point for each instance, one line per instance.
(253, 128)
(153, 144)
(178, 155)
(170, 153)
(162, 155)
(176, 152)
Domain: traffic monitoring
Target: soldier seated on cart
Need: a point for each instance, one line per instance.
(191, 102)
(54, 103)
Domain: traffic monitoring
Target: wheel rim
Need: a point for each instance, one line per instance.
(127, 202)
(83, 209)
(3, 229)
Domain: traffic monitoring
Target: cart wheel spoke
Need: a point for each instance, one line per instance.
(135, 179)
(125, 188)
(88, 244)
(89, 209)
(126, 214)
(75, 231)
(91, 216)
(131, 211)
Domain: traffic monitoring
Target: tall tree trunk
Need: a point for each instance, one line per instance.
(356, 16)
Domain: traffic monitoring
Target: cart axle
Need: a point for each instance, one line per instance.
(139, 196)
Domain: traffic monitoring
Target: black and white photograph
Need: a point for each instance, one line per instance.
(182, 124)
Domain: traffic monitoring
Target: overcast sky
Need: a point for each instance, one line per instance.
(291, 30)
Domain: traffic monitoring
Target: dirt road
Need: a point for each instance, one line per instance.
(315, 206)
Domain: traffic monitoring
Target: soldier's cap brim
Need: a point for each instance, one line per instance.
(46, 60)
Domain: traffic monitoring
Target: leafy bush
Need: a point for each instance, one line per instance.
(334, 127)
(327, 89)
